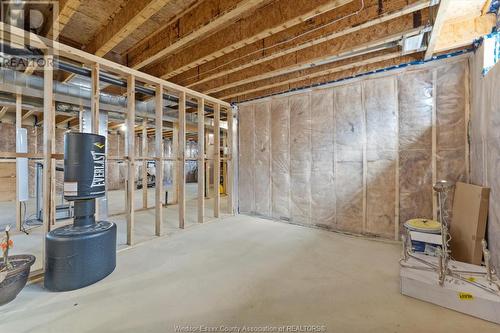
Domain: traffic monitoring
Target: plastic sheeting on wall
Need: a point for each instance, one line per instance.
(380, 103)
(349, 132)
(450, 122)
(485, 143)
(280, 153)
(262, 144)
(246, 159)
(300, 158)
(323, 199)
(331, 157)
(415, 145)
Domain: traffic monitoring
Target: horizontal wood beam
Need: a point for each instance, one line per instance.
(67, 8)
(131, 16)
(330, 77)
(437, 26)
(310, 73)
(386, 33)
(27, 114)
(346, 19)
(3, 111)
(66, 120)
(462, 33)
(201, 20)
(273, 18)
(16, 34)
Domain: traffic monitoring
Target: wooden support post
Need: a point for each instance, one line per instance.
(434, 143)
(201, 160)
(216, 160)
(53, 164)
(48, 147)
(94, 114)
(229, 161)
(175, 152)
(159, 160)
(19, 119)
(95, 99)
(144, 163)
(182, 159)
(130, 132)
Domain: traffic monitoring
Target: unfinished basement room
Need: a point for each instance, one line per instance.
(265, 166)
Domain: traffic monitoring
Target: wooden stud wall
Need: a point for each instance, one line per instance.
(216, 161)
(19, 111)
(159, 161)
(130, 137)
(181, 167)
(133, 77)
(48, 148)
(201, 160)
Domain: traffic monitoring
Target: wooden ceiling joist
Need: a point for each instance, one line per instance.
(65, 120)
(67, 8)
(27, 114)
(330, 77)
(74, 54)
(3, 111)
(273, 18)
(198, 22)
(461, 33)
(299, 37)
(366, 39)
(127, 20)
(437, 26)
(310, 73)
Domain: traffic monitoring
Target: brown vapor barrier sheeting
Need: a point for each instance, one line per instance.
(338, 157)
(485, 142)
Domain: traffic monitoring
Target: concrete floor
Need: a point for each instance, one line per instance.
(144, 219)
(241, 271)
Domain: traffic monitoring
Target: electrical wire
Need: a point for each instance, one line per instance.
(280, 43)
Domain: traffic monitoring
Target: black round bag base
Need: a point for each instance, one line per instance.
(79, 256)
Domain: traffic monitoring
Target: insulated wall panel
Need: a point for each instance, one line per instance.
(323, 203)
(349, 131)
(415, 145)
(493, 161)
(280, 153)
(300, 158)
(380, 102)
(450, 111)
(478, 126)
(485, 145)
(262, 180)
(246, 159)
(338, 156)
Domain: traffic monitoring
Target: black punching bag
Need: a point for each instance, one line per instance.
(83, 253)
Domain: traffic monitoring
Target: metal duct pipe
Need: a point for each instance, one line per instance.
(103, 77)
(109, 103)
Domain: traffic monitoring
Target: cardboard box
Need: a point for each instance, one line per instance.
(468, 224)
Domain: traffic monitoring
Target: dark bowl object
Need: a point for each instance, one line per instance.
(16, 278)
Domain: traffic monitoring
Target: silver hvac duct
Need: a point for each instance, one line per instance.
(33, 86)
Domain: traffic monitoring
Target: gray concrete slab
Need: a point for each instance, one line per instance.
(241, 271)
